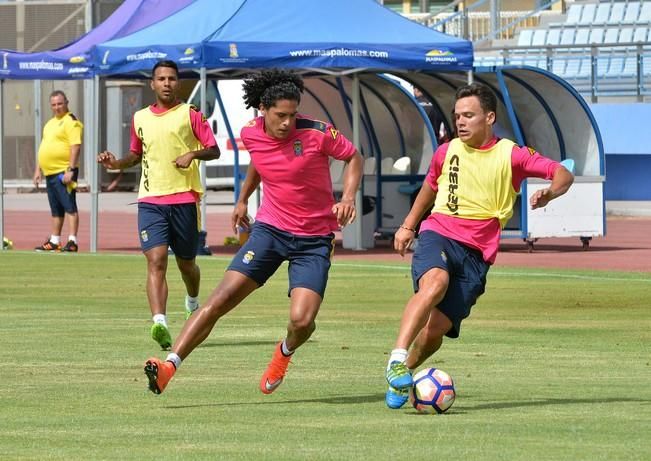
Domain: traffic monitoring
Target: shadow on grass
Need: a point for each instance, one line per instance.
(544, 402)
(333, 400)
(261, 342)
(376, 398)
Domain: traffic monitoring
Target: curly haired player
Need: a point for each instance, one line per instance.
(290, 156)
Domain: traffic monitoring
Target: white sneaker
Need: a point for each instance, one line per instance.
(190, 307)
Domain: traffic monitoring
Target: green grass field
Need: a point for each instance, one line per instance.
(552, 365)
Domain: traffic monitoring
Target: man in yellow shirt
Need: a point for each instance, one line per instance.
(58, 160)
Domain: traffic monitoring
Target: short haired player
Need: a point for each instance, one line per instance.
(168, 138)
(472, 184)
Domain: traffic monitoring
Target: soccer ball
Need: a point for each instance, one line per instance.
(433, 391)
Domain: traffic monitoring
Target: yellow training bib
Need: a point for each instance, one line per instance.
(476, 184)
(165, 137)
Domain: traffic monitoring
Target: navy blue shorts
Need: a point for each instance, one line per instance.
(268, 247)
(61, 201)
(466, 268)
(176, 226)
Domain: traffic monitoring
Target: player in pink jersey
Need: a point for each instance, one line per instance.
(168, 139)
(290, 156)
(472, 184)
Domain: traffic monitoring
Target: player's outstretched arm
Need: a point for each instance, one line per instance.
(561, 183)
(209, 153)
(240, 217)
(405, 235)
(345, 208)
(108, 160)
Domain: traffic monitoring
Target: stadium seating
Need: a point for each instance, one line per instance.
(609, 22)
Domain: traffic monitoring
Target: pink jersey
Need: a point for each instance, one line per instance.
(202, 131)
(295, 173)
(484, 235)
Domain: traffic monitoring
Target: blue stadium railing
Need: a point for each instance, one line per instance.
(607, 69)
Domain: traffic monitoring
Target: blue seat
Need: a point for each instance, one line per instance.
(553, 37)
(632, 13)
(611, 35)
(603, 12)
(645, 14)
(641, 34)
(538, 38)
(568, 163)
(525, 36)
(617, 13)
(567, 37)
(582, 36)
(630, 66)
(588, 14)
(625, 35)
(596, 36)
(574, 13)
(558, 66)
(616, 66)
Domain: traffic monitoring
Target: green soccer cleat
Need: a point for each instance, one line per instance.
(396, 398)
(398, 376)
(189, 309)
(161, 335)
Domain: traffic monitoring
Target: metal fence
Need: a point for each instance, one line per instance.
(604, 70)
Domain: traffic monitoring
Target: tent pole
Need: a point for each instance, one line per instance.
(2, 184)
(38, 119)
(236, 151)
(93, 166)
(470, 77)
(202, 165)
(359, 201)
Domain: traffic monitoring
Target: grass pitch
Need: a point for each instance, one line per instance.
(552, 365)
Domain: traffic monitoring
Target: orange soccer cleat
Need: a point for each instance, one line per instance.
(275, 372)
(159, 374)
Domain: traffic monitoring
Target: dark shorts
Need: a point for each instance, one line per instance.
(466, 268)
(176, 226)
(268, 247)
(61, 201)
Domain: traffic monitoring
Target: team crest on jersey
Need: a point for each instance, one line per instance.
(298, 148)
(531, 150)
(248, 257)
(144, 236)
(334, 133)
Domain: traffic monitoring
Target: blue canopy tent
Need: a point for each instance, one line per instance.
(337, 38)
(248, 34)
(342, 48)
(73, 61)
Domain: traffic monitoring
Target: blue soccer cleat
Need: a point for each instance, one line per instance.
(396, 398)
(398, 376)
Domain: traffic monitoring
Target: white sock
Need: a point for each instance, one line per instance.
(191, 302)
(284, 349)
(160, 318)
(56, 239)
(397, 355)
(73, 238)
(175, 359)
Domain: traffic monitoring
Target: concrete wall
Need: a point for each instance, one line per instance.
(624, 130)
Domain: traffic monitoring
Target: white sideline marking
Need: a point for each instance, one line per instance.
(512, 274)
